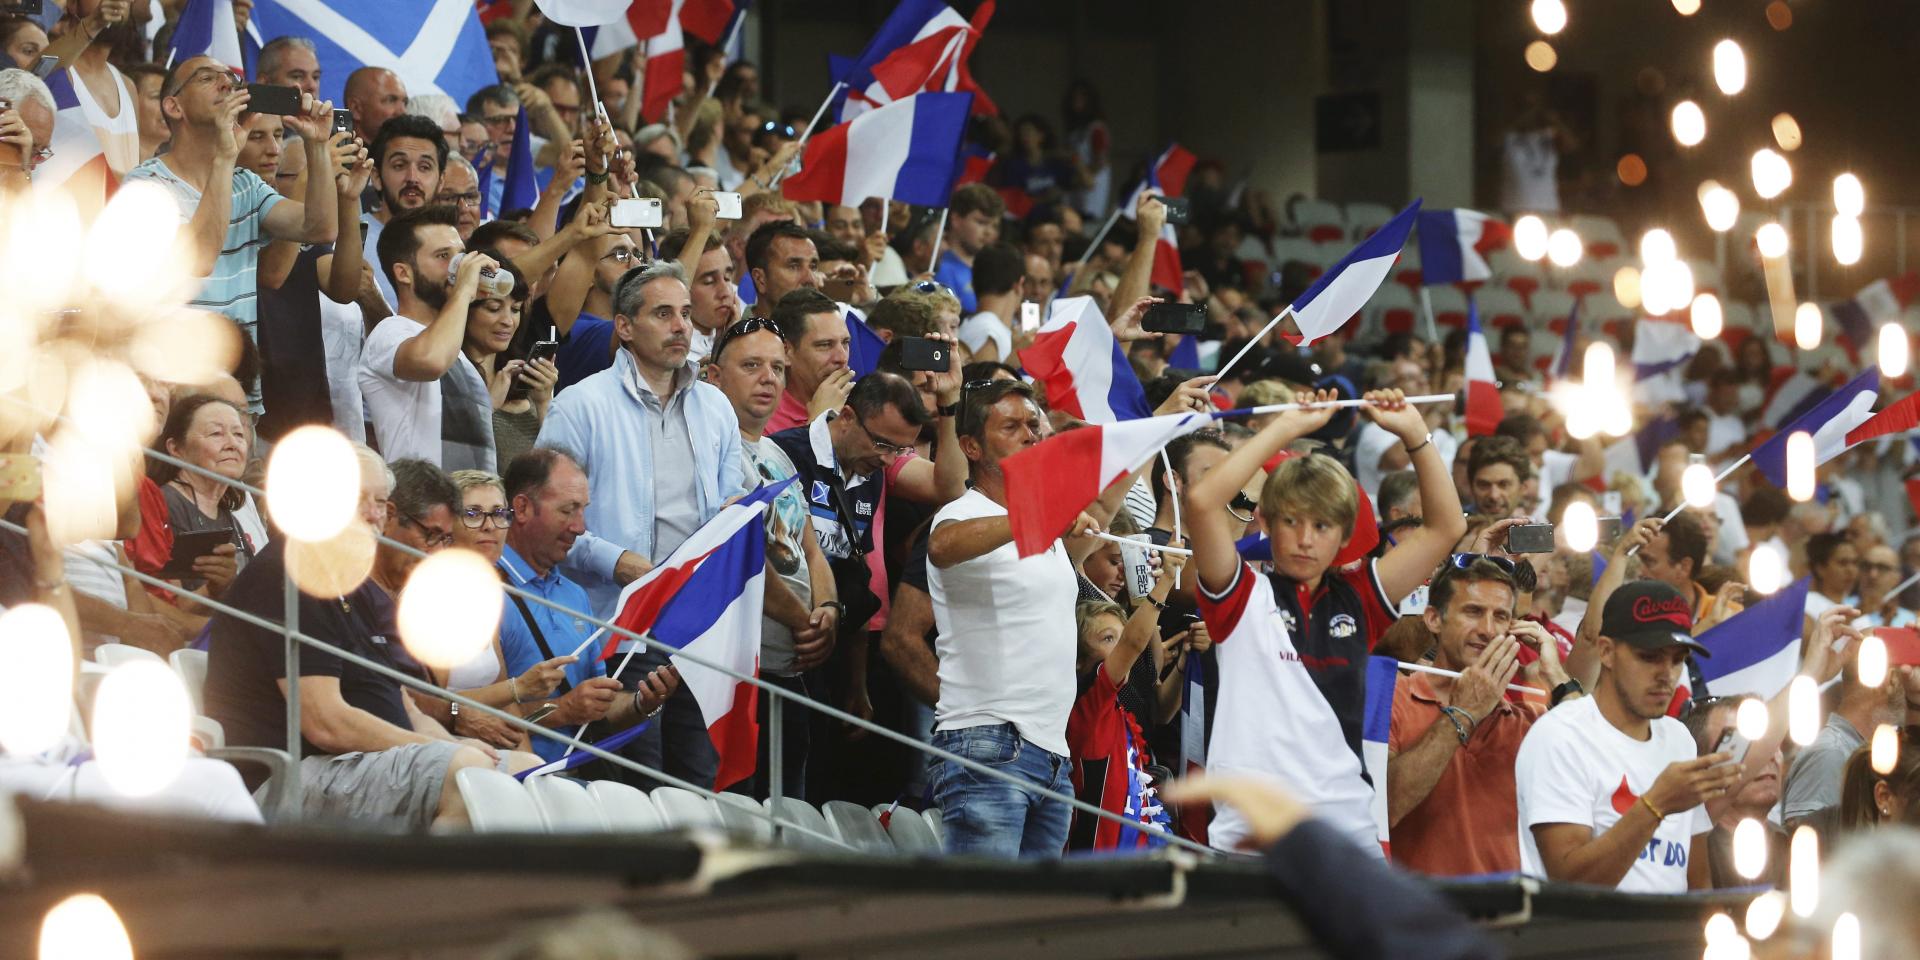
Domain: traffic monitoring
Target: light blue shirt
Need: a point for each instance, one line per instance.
(608, 429)
(563, 633)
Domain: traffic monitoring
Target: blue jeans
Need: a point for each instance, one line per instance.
(986, 815)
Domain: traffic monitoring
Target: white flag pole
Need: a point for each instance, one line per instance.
(1426, 308)
(1436, 671)
(1717, 479)
(940, 231)
(1142, 544)
(1355, 402)
(1097, 238)
(726, 50)
(1221, 373)
(636, 648)
(781, 174)
(1172, 494)
(586, 63)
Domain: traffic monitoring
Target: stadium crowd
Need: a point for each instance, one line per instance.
(577, 425)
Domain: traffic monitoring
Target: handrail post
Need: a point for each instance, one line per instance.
(776, 759)
(291, 627)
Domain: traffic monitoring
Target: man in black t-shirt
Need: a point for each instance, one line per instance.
(367, 752)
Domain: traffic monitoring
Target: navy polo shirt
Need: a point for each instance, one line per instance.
(1334, 629)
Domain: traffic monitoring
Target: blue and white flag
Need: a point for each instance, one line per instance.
(1829, 421)
(206, 28)
(436, 46)
(1346, 287)
(1662, 348)
(610, 743)
(1757, 650)
(1454, 245)
(1383, 675)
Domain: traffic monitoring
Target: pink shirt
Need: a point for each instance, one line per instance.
(792, 412)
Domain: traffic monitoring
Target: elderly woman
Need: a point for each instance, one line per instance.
(211, 434)
(518, 390)
(484, 518)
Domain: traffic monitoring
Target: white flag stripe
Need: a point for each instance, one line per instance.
(878, 143)
(1764, 679)
(1341, 299)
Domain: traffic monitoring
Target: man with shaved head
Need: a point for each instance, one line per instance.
(374, 95)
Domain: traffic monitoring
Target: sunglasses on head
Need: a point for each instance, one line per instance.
(740, 328)
(929, 286)
(1465, 561)
(775, 126)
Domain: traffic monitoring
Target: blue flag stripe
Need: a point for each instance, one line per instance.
(1754, 634)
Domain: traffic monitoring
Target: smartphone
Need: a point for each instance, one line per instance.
(1179, 210)
(19, 477)
(22, 8)
(1734, 746)
(919, 353)
(543, 350)
(44, 68)
(343, 121)
(541, 714)
(188, 547)
(1610, 529)
(1182, 318)
(1530, 538)
(638, 213)
(273, 98)
(729, 205)
(1029, 316)
(363, 232)
(9, 153)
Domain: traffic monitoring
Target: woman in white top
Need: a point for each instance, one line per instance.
(1834, 565)
(105, 96)
(483, 521)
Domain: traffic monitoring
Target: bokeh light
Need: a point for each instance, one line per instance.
(313, 483)
(1541, 56)
(37, 655)
(1786, 131)
(1564, 247)
(1772, 175)
(1689, 123)
(142, 723)
(84, 927)
(1707, 317)
(1550, 16)
(1771, 238)
(1895, 350)
(1848, 242)
(1530, 237)
(1806, 326)
(1729, 67)
(449, 607)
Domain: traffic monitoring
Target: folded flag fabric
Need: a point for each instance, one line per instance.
(1085, 372)
(1899, 417)
(1569, 343)
(1383, 675)
(1484, 409)
(923, 47)
(1661, 350)
(1757, 650)
(1346, 287)
(611, 743)
(706, 600)
(436, 46)
(1830, 421)
(206, 28)
(522, 189)
(1049, 483)
(1454, 245)
(863, 354)
(1877, 303)
(908, 150)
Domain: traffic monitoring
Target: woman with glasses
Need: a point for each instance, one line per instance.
(481, 526)
(212, 435)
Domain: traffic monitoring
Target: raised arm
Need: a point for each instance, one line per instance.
(315, 218)
(206, 233)
(1584, 664)
(432, 352)
(1208, 524)
(1412, 560)
(341, 279)
(1150, 213)
(1413, 772)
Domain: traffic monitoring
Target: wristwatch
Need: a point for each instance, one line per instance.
(1564, 691)
(948, 409)
(453, 713)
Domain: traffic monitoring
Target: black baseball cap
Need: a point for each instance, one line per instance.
(1649, 614)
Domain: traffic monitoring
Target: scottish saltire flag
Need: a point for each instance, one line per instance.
(1757, 650)
(1348, 285)
(1049, 483)
(1082, 365)
(1830, 421)
(1484, 409)
(863, 355)
(923, 47)
(436, 46)
(908, 150)
(610, 743)
(1662, 349)
(78, 164)
(207, 28)
(706, 600)
(1383, 675)
(1454, 245)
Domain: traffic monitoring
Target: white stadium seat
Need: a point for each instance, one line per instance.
(565, 806)
(191, 665)
(857, 827)
(625, 808)
(743, 815)
(497, 803)
(910, 832)
(793, 811)
(1364, 218)
(684, 808)
(111, 655)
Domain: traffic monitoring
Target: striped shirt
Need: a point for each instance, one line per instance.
(230, 289)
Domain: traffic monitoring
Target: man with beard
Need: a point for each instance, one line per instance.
(406, 354)
(749, 365)
(409, 156)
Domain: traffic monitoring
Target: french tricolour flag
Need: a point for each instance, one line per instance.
(1049, 483)
(78, 164)
(1383, 675)
(1168, 173)
(1484, 409)
(1877, 303)
(1082, 366)
(923, 47)
(1454, 245)
(1757, 650)
(662, 26)
(1662, 347)
(706, 600)
(1830, 422)
(1343, 290)
(1898, 417)
(908, 150)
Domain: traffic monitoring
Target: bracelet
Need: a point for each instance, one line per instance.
(513, 689)
(1419, 446)
(647, 716)
(1464, 732)
(1657, 815)
(596, 178)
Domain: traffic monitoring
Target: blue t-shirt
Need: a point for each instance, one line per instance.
(563, 633)
(587, 350)
(957, 275)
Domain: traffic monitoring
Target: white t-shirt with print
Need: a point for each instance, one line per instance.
(1577, 767)
(1006, 636)
(405, 413)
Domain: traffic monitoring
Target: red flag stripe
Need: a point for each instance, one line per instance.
(1897, 418)
(1049, 484)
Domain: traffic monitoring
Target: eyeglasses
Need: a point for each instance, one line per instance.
(469, 199)
(775, 126)
(621, 255)
(435, 541)
(1465, 561)
(886, 448)
(740, 328)
(205, 75)
(475, 518)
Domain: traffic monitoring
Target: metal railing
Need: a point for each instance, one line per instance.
(294, 639)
